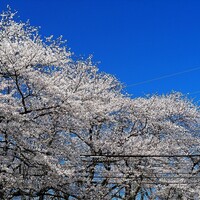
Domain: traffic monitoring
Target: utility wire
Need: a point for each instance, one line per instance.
(140, 156)
(150, 166)
(193, 93)
(153, 183)
(146, 177)
(164, 76)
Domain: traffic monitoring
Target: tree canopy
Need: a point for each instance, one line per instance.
(68, 131)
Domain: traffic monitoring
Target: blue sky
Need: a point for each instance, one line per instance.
(136, 40)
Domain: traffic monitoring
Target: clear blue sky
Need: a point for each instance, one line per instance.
(136, 40)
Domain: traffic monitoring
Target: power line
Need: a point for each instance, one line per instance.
(149, 165)
(195, 92)
(140, 156)
(153, 183)
(146, 177)
(164, 76)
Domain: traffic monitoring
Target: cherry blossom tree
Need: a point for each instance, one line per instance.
(68, 131)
